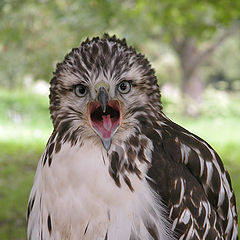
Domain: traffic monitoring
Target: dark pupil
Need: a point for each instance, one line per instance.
(123, 86)
(81, 89)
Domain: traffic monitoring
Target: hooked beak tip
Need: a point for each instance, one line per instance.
(107, 143)
(104, 106)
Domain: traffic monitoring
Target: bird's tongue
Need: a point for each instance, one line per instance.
(106, 126)
(107, 123)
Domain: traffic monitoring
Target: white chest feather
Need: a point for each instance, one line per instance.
(84, 202)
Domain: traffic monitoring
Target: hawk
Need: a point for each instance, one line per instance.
(115, 167)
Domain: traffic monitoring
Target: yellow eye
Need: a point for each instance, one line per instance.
(80, 90)
(124, 87)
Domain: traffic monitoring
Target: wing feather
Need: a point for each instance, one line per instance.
(191, 179)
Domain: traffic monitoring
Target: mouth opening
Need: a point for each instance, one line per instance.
(105, 123)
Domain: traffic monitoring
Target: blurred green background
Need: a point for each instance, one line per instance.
(194, 47)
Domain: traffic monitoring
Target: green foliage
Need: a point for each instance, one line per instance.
(197, 19)
(225, 62)
(221, 104)
(28, 109)
(37, 34)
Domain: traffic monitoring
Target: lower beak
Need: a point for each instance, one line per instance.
(107, 143)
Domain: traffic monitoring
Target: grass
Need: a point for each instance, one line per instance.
(25, 127)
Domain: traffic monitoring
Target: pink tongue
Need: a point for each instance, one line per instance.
(107, 123)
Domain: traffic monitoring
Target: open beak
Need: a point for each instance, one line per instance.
(104, 116)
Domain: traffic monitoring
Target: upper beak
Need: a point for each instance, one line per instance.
(103, 97)
(102, 89)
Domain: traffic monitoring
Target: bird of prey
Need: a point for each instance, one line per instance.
(115, 167)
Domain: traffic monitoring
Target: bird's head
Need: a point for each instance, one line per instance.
(100, 90)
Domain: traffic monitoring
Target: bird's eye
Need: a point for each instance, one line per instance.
(80, 90)
(124, 87)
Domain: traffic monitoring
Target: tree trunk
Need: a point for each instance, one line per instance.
(192, 89)
(192, 81)
(192, 58)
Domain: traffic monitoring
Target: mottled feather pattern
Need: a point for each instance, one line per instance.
(203, 207)
(157, 181)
